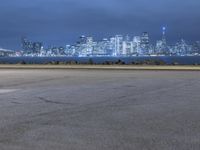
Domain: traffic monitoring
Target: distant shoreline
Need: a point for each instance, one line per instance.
(162, 60)
(104, 67)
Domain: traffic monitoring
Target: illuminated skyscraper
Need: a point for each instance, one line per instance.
(163, 33)
(82, 39)
(27, 46)
(37, 47)
(145, 43)
(118, 45)
(31, 47)
(111, 46)
(127, 47)
(136, 45)
(161, 45)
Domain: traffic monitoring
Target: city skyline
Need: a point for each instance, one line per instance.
(117, 45)
(163, 30)
(59, 22)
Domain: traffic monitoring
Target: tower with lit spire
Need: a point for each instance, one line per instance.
(161, 45)
(164, 35)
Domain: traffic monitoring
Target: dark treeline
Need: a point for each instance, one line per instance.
(91, 62)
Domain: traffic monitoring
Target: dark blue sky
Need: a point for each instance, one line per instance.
(59, 22)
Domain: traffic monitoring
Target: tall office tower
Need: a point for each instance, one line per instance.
(27, 46)
(84, 46)
(89, 45)
(89, 41)
(79, 48)
(37, 47)
(106, 46)
(136, 45)
(127, 47)
(145, 43)
(161, 45)
(68, 50)
(163, 35)
(111, 46)
(166, 50)
(43, 51)
(82, 40)
(31, 47)
(118, 45)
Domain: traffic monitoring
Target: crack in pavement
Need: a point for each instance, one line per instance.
(54, 102)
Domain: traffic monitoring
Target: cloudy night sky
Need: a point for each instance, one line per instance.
(61, 22)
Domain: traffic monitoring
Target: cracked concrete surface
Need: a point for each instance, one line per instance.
(99, 110)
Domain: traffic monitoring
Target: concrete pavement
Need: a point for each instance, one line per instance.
(99, 110)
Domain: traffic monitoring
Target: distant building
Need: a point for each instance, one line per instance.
(127, 47)
(37, 47)
(102, 48)
(5, 52)
(29, 47)
(195, 48)
(112, 46)
(181, 48)
(144, 43)
(136, 45)
(118, 45)
(82, 40)
(161, 45)
(68, 50)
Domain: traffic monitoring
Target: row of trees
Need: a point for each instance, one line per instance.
(91, 62)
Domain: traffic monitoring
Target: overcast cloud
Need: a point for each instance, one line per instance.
(60, 22)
